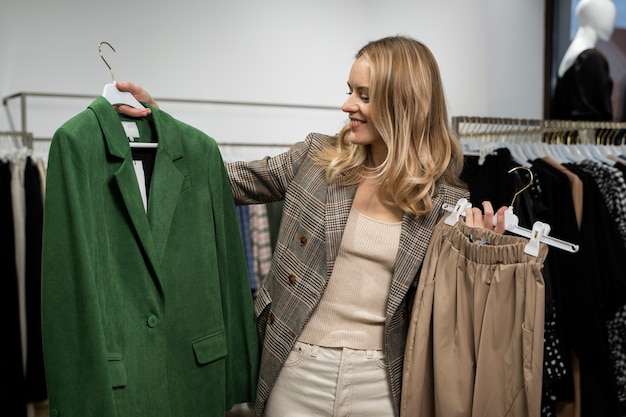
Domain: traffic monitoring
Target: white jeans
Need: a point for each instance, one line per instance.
(333, 382)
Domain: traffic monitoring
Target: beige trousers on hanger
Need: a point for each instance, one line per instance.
(475, 342)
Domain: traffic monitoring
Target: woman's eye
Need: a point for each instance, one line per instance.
(362, 97)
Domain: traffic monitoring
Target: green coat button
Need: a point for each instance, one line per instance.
(152, 320)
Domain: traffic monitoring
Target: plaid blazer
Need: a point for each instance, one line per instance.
(314, 217)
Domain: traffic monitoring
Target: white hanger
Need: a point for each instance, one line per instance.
(571, 152)
(472, 147)
(552, 152)
(518, 155)
(143, 144)
(528, 150)
(115, 96)
(597, 155)
(111, 92)
(539, 232)
(558, 153)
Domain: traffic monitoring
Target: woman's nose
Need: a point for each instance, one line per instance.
(348, 105)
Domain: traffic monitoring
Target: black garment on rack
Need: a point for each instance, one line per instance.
(560, 215)
(596, 292)
(12, 394)
(35, 374)
(611, 186)
(489, 181)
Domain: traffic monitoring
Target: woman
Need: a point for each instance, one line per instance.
(359, 210)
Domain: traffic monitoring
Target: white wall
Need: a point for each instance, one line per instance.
(280, 51)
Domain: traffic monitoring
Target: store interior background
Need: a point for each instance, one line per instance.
(492, 55)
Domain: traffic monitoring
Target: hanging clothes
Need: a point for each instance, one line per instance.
(13, 394)
(261, 242)
(585, 291)
(597, 292)
(479, 304)
(243, 217)
(612, 187)
(144, 313)
(20, 240)
(33, 198)
(558, 205)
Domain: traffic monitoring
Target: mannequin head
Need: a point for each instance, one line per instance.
(597, 14)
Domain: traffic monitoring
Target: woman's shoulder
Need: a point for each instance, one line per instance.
(320, 140)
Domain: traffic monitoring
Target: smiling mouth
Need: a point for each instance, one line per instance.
(354, 123)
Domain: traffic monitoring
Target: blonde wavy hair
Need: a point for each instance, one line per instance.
(408, 109)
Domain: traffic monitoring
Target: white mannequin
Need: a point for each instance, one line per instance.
(596, 19)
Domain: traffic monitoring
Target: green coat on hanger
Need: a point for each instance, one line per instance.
(144, 313)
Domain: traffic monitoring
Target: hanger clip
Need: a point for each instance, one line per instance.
(457, 211)
(539, 231)
(511, 221)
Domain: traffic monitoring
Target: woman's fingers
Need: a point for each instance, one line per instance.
(484, 219)
(500, 224)
(488, 217)
(474, 217)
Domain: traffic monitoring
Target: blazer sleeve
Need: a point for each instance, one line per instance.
(266, 180)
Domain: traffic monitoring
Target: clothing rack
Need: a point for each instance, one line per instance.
(20, 139)
(23, 100)
(486, 129)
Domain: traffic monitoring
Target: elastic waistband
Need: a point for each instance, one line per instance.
(485, 246)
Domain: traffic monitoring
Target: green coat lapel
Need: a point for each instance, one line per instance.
(167, 179)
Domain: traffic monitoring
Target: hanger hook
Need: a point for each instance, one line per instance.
(105, 61)
(532, 178)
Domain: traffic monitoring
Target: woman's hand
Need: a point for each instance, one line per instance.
(140, 94)
(474, 218)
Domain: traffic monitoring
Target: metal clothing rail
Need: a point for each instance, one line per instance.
(221, 144)
(22, 96)
(544, 130)
(26, 138)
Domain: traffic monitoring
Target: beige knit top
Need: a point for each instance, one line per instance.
(352, 310)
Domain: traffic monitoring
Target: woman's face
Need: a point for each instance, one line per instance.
(362, 132)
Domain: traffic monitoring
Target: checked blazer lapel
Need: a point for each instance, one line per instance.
(338, 205)
(414, 240)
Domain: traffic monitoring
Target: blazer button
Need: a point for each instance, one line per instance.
(303, 240)
(152, 321)
(292, 279)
